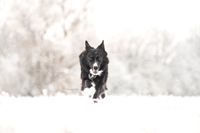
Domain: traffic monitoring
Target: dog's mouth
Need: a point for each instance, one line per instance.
(95, 68)
(95, 71)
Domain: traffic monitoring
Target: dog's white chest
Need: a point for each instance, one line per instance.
(96, 74)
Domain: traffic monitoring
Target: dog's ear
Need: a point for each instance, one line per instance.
(101, 46)
(87, 45)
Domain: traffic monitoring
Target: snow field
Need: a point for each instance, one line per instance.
(77, 114)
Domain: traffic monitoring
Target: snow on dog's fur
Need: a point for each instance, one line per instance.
(94, 71)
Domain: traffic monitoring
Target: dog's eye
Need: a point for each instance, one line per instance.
(91, 58)
(98, 58)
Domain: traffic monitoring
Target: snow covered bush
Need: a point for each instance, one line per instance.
(39, 45)
(152, 51)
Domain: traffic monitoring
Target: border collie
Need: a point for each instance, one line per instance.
(94, 71)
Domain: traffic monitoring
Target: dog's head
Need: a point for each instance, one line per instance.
(95, 56)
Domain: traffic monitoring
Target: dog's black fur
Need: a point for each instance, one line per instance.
(87, 59)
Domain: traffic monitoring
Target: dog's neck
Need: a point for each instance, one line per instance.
(92, 75)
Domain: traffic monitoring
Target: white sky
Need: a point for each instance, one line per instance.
(177, 16)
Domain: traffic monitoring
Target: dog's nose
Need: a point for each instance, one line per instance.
(95, 67)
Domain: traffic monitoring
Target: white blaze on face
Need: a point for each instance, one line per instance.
(95, 64)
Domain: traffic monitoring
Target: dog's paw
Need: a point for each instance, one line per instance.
(95, 100)
(88, 92)
(103, 95)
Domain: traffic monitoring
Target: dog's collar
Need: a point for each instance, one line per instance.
(91, 76)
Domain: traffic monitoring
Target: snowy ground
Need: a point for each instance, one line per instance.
(116, 114)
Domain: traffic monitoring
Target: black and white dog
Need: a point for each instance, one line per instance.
(94, 71)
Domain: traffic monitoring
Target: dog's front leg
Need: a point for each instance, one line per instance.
(88, 88)
(100, 92)
(96, 94)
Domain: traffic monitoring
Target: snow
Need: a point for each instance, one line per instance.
(116, 114)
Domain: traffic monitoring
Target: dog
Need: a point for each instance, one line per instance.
(94, 71)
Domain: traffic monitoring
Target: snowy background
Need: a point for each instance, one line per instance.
(153, 46)
(154, 52)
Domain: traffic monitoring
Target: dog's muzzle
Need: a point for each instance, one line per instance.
(95, 68)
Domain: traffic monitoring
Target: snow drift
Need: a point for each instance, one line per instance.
(76, 114)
